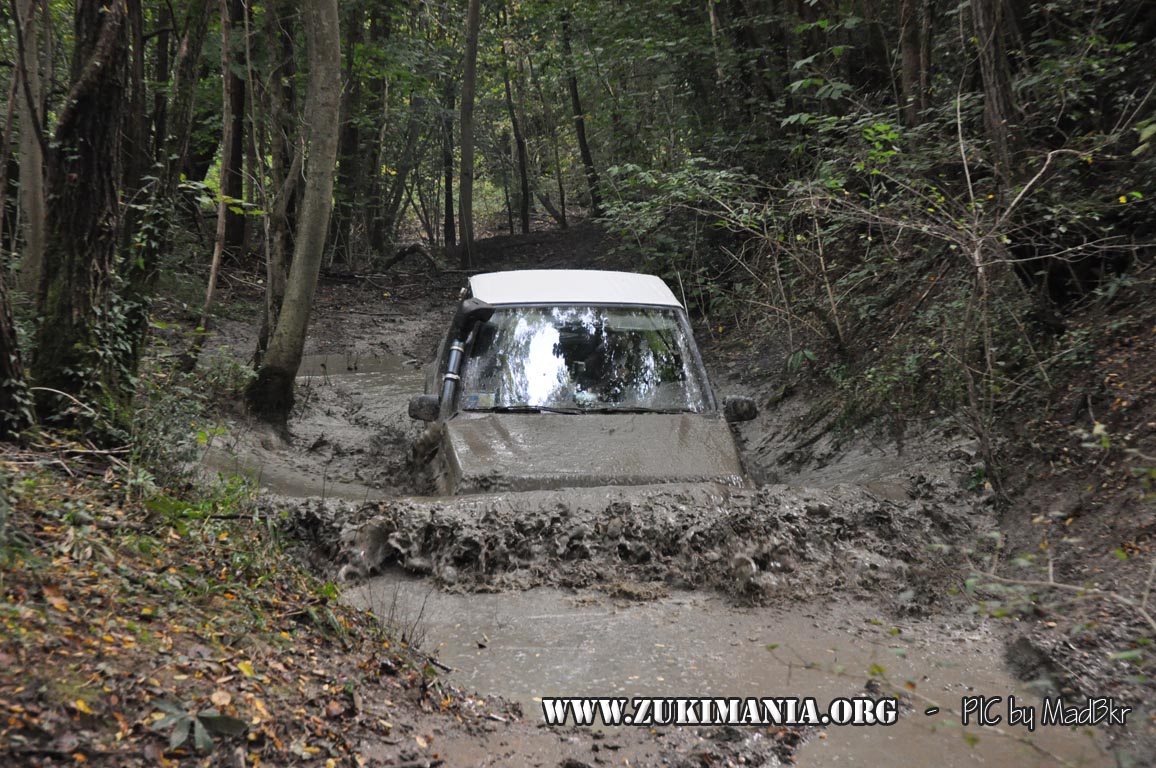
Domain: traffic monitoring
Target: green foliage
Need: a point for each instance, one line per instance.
(175, 419)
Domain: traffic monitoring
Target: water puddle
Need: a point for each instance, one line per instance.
(547, 642)
(351, 431)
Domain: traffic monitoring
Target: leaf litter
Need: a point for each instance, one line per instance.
(164, 640)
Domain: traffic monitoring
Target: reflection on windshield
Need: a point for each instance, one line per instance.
(582, 357)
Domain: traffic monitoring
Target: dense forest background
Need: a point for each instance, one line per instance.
(911, 197)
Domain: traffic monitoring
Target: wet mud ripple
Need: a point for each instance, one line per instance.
(773, 542)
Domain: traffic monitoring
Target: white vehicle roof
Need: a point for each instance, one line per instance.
(571, 286)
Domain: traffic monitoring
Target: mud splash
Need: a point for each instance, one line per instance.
(774, 542)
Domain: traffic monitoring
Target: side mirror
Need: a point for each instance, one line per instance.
(739, 408)
(471, 311)
(425, 407)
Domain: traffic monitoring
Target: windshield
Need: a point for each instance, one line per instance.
(588, 358)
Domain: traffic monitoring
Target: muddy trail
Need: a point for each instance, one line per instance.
(838, 576)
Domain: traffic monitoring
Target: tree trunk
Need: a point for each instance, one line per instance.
(285, 167)
(449, 233)
(910, 59)
(380, 30)
(557, 215)
(580, 119)
(560, 214)
(233, 135)
(350, 162)
(32, 198)
(137, 157)
(172, 134)
(999, 108)
(505, 152)
(162, 73)
(719, 74)
(410, 158)
(926, 9)
(466, 177)
(519, 148)
(228, 160)
(70, 350)
(270, 395)
(183, 98)
(873, 71)
(755, 69)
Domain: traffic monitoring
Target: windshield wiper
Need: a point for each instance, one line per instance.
(526, 409)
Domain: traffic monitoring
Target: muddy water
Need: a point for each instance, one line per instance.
(547, 642)
(350, 432)
(349, 440)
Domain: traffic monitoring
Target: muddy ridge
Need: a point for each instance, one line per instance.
(772, 543)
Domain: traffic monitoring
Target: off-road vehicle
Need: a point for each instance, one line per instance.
(574, 378)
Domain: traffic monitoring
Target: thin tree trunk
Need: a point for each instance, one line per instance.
(547, 113)
(285, 168)
(416, 201)
(83, 222)
(999, 108)
(172, 135)
(162, 74)
(228, 146)
(466, 177)
(183, 99)
(506, 150)
(350, 164)
(720, 76)
(557, 215)
(926, 9)
(580, 119)
(32, 199)
(909, 75)
(232, 158)
(449, 232)
(270, 395)
(137, 157)
(379, 35)
(874, 71)
(519, 148)
(409, 160)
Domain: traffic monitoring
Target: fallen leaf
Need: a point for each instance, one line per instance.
(54, 598)
(221, 698)
(246, 669)
(82, 706)
(421, 742)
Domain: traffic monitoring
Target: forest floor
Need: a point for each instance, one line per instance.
(144, 630)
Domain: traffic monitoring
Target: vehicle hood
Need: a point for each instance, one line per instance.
(542, 451)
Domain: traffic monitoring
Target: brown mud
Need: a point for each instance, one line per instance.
(840, 524)
(774, 543)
